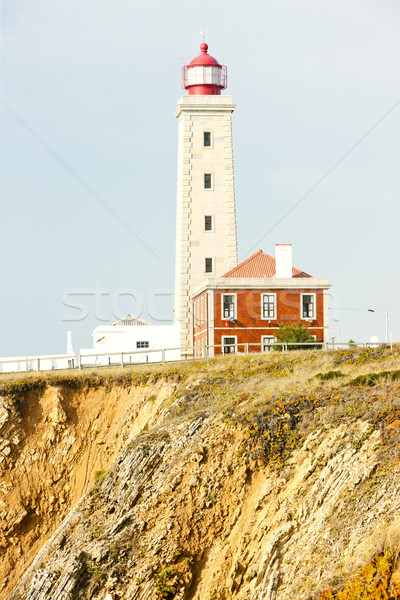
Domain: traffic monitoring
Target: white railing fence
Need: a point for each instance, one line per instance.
(160, 356)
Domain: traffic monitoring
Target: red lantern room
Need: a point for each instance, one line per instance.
(204, 75)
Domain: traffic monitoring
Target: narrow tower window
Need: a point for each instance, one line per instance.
(207, 139)
(207, 223)
(209, 265)
(207, 181)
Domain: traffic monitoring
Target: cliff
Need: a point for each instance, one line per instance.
(264, 477)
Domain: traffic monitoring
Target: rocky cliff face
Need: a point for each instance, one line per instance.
(250, 480)
(52, 441)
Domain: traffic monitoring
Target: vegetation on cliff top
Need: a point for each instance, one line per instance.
(286, 395)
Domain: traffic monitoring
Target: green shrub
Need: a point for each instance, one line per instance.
(294, 334)
(371, 379)
(329, 375)
(166, 580)
(100, 474)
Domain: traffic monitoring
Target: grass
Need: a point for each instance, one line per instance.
(275, 362)
(90, 373)
(237, 384)
(276, 398)
(16, 388)
(278, 372)
(371, 379)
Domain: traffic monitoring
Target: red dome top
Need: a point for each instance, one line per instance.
(203, 59)
(204, 76)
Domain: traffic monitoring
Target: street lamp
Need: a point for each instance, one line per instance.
(338, 334)
(386, 316)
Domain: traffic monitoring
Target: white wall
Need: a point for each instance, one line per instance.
(118, 344)
(283, 258)
(197, 114)
(119, 339)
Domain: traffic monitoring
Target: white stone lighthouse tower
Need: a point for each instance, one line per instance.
(206, 239)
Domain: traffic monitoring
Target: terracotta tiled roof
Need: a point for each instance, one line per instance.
(259, 264)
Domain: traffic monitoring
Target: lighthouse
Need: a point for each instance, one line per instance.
(206, 237)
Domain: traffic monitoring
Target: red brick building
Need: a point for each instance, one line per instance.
(242, 310)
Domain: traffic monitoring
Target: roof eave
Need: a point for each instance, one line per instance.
(255, 283)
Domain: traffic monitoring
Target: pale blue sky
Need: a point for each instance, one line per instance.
(98, 83)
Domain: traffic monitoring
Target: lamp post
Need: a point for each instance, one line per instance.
(338, 334)
(386, 317)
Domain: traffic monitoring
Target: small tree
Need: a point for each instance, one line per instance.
(292, 334)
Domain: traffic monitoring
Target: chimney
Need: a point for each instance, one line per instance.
(283, 257)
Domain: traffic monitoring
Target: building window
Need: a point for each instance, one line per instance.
(269, 306)
(142, 344)
(207, 181)
(308, 306)
(208, 223)
(229, 344)
(267, 342)
(207, 139)
(228, 306)
(209, 265)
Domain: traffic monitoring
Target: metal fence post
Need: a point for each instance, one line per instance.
(246, 348)
(79, 362)
(163, 355)
(38, 364)
(122, 359)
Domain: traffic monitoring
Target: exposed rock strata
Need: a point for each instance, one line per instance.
(253, 534)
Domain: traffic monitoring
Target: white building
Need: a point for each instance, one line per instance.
(134, 338)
